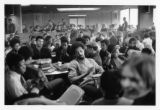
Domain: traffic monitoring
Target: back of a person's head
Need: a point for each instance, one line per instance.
(48, 38)
(12, 60)
(146, 51)
(86, 37)
(146, 35)
(98, 39)
(14, 41)
(144, 66)
(25, 52)
(110, 84)
(64, 39)
(82, 40)
(105, 41)
(132, 40)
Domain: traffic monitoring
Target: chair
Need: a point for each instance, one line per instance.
(72, 96)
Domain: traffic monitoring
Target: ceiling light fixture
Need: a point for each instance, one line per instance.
(77, 9)
(25, 4)
(77, 15)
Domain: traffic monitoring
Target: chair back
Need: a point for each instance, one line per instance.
(72, 95)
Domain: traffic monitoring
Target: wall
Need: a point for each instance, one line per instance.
(92, 18)
(145, 19)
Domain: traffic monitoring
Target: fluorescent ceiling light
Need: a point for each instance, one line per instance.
(77, 9)
(76, 15)
(25, 4)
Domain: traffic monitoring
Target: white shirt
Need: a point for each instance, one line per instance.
(147, 41)
(13, 85)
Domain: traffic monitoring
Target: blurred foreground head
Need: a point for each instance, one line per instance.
(138, 76)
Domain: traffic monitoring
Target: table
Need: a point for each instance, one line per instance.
(51, 70)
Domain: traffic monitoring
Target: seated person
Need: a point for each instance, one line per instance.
(13, 79)
(36, 74)
(81, 71)
(63, 53)
(86, 39)
(131, 46)
(15, 45)
(104, 54)
(92, 52)
(115, 61)
(138, 79)
(40, 52)
(33, 41)
(48, 43)
(16, 86)
(146, 51)
(112, 90)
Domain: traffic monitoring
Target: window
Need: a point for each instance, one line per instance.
(134, 17)
(131, 16)
(124, 13)
(73, 21)
(77, 21)
(154, 15)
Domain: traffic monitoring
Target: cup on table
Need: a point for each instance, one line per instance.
(59, 63)
(36, 66)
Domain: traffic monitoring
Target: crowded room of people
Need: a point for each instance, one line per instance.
(79, 54)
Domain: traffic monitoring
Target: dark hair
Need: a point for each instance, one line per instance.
(99, 39)
(47, 38)
(86, 37)
(146, 35)
(147, 51)
(14, 41)
(33, 37)
(106, 42)
(39, 37)
(144, 66)
(152, 33)
(79, 39)
(64, 39)
(9, 19)
(75, 46)
(131, 40)
(111, 48)
(110, 84)
(25, 52)
(13, 59)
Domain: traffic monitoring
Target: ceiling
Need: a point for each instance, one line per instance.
(53, 8)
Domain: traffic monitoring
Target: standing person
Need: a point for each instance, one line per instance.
(125, 24)
(11, 28)
(138, 80)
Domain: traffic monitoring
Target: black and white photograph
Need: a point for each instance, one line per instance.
(91, 55)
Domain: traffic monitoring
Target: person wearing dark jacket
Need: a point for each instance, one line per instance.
(63, 53)
(40, 52)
